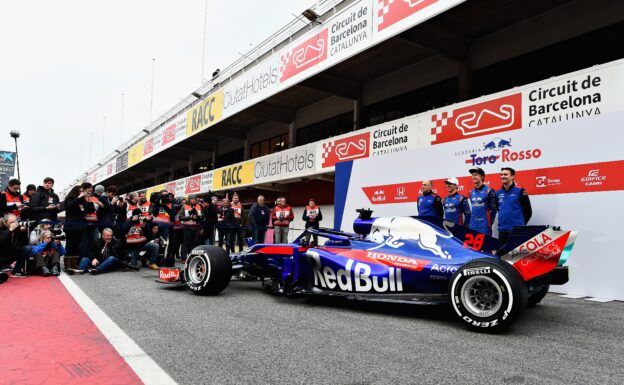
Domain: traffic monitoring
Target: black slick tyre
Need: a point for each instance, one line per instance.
(208, 270)
(487, 294)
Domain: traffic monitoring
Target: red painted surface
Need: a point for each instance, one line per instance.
(48, 339)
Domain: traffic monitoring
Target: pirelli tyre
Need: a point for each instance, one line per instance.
(487, 295)
(208, 270)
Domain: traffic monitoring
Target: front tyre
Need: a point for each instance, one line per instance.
(487, 295)
(208, 270)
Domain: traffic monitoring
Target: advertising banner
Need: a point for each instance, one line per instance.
(288, 164)
(205, 114)
(240, 174)
(7, 167)
(135, 154)
(395, 136)
(571, 174)
(395, 16)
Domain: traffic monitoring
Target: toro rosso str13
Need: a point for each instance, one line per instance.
(419, 260)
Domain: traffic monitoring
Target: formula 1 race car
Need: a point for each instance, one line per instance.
(421, 260)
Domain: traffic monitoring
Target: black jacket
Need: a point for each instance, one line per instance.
(42, 199)
(106, 213)
(227, 213)
(9, 242)
(113, 249)
(210, 215)
(259, 216)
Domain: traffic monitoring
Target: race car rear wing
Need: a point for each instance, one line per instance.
(537, 250)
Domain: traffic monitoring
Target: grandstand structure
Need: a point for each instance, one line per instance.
(343, 87)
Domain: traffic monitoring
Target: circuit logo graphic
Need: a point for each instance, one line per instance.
(498, 115)
(340, 150)
(305, 55)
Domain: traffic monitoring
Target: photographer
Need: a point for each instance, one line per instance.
(105, 214)
(11, 200)
(75, 225)
(137, 243)
(163, 212)
(282, 215)
(103, 256)
(312, 216)
(45, 203)
(226, 226)
(153, 236)
(48, 253)
(35, 235)
(11, 247)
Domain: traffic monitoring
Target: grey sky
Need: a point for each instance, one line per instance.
(64, 65)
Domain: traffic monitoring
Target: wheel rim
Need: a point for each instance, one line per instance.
(197, 270)
(482, 296)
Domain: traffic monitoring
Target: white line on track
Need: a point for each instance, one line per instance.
(143, 365)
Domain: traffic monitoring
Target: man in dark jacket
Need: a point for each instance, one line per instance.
(226, 225)
(106, 211)
(104, 255)
(45, 204)
(11, 247)
(210, 221)
(259, 216)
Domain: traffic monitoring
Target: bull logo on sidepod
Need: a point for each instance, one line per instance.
(394, 231)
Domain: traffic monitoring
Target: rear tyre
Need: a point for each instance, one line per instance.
(537, 296)
(487, 295)
(208, 270)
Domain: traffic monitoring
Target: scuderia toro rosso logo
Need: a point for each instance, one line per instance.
(498, 115)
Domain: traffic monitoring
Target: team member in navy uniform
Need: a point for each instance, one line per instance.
(429, 203)
(482, 200)
(514, 206)
(456, 206)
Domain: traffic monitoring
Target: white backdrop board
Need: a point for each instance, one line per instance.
(573, 171)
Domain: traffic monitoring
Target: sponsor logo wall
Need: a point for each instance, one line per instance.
(572, 171)
(483, 132)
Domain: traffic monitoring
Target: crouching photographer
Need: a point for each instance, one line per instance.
(12, 247)
(137, 243)
(103, 258)
(48, 253)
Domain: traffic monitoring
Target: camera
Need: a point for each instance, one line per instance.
(26, 223)
(61, 237)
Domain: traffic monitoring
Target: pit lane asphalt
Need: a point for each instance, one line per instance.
(246, 336)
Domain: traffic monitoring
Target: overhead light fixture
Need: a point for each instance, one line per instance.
(145, 130)
(197, 94)
(312, 16)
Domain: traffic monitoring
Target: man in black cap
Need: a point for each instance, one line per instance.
(514, 206)
(483, 206)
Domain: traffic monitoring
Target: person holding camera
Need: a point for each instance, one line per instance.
(153, 236)
(238, 232)
(48, 252)
(11, 200)
(137, 244)
(226, 225)
(11, 247)
(163, 212)
(190, 218)
(45, 204)
(312, 216)
(282, 216)
(103, 256)
(35, 235)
